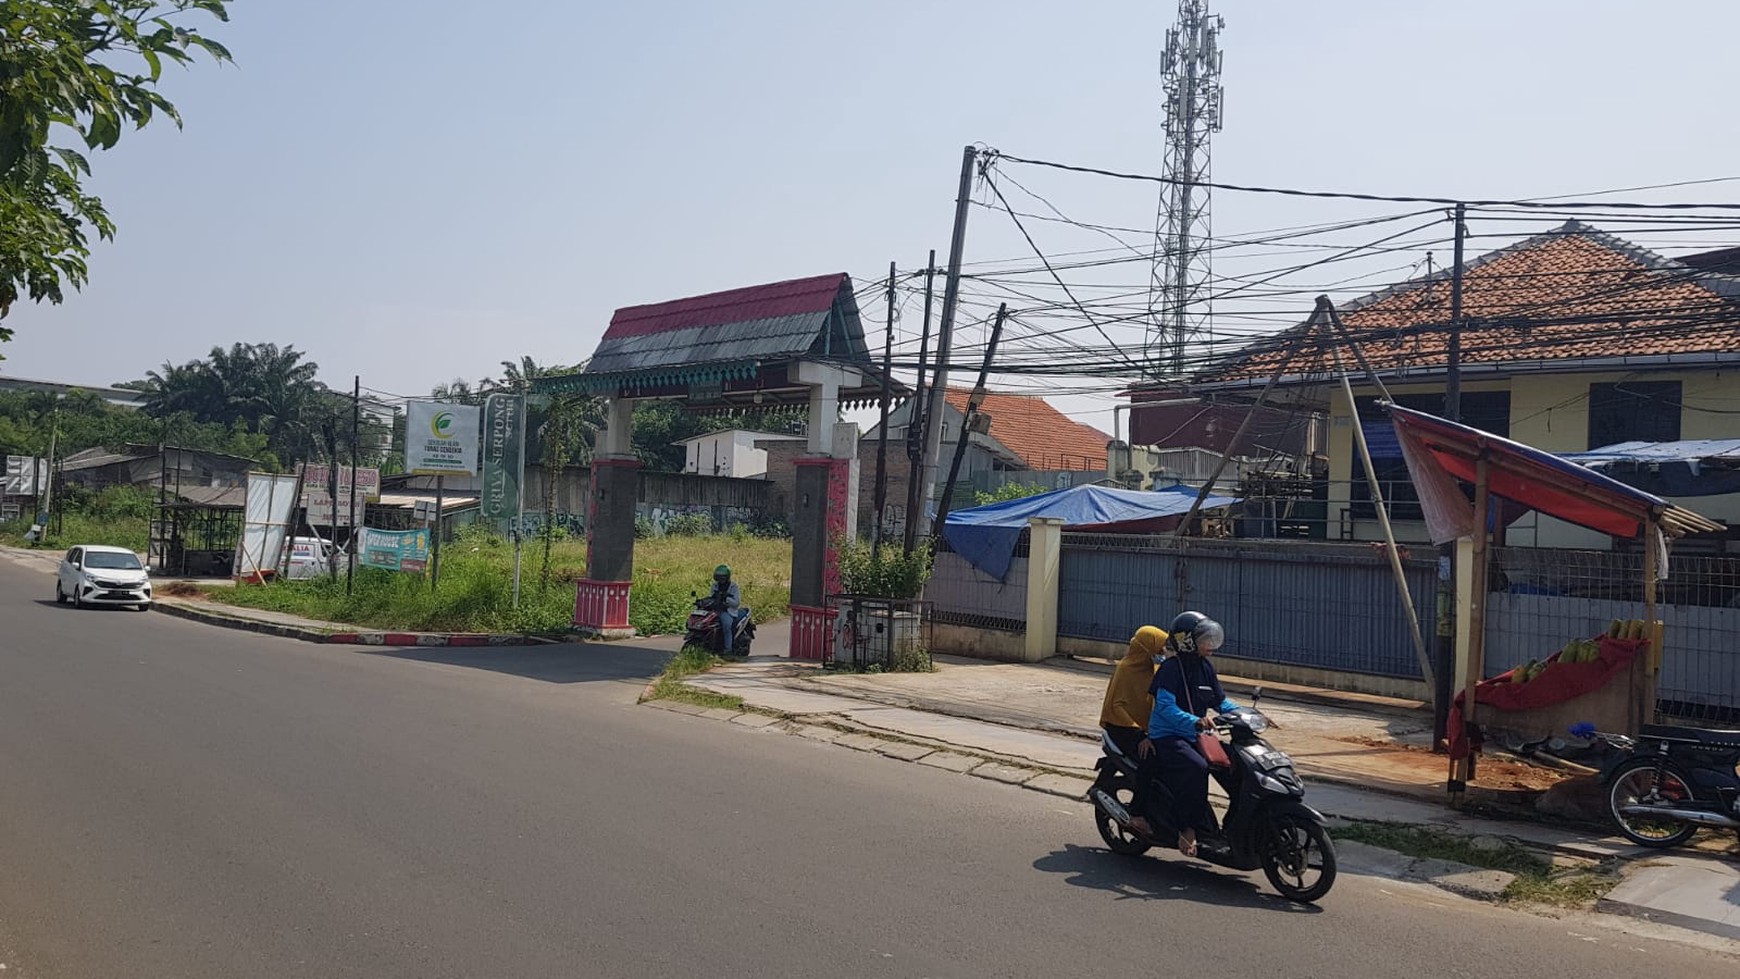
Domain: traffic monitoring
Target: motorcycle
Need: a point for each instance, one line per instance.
(1667, 782)
(703, 630)
(1267, 825)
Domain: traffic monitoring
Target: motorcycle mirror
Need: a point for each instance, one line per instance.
(1256, 694)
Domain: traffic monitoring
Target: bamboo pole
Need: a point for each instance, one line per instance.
(1476, 665)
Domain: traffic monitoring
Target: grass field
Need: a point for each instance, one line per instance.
(476, 592)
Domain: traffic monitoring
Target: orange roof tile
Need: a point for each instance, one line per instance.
(1042, 437)
(1570, 294)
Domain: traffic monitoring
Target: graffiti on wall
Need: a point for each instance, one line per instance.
(660, 516)
(531, 523)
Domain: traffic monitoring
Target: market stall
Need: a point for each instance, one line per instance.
(1608, 680)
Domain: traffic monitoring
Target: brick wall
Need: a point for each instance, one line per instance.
(782, 474)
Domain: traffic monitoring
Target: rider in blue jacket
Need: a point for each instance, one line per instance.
(1185, 689)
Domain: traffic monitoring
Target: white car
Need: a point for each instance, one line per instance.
(92, 574)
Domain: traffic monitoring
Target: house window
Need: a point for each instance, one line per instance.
(1488, 411)
(1634, 411)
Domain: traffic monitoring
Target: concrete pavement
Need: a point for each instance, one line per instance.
(194, 802)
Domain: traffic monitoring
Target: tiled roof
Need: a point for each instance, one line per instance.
(779, 320)
(1042, 437)
(1573, 293)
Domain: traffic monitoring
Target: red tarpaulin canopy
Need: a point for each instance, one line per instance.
(1440, 451)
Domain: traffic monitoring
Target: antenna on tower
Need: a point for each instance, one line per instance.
(1179, 306)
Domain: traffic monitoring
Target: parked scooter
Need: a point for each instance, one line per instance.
(703, 630)
(1668, 781)
(1267, 826)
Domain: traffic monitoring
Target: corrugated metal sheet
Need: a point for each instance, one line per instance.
(961, 592)
(1329, 606)
(772, 300)
(756, 339)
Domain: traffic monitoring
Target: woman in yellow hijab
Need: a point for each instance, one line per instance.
(1124, 715)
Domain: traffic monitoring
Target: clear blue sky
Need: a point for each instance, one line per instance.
(416, 189)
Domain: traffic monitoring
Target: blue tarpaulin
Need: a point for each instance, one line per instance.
(986, 536)
(1690, 467)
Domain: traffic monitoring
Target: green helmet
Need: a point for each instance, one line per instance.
(722, 571)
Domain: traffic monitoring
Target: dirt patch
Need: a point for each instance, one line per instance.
(1491, 771)
(181, 589)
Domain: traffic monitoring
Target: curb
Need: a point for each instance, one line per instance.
(351, 638)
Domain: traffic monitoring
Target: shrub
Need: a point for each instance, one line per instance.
(890, 574)
(689, 525)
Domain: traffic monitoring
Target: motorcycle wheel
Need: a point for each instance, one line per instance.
(1298, 858)
(1117, 838)
(1638, 781)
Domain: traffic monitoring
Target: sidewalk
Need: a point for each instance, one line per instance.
(1024, 724)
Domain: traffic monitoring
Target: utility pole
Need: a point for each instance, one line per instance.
(933, 420)
(1444, 642)
(1178, 306)
(1453, 383)
(973, 401)
(916, 420)
(882, 429)
(355, 449)
(53, 447)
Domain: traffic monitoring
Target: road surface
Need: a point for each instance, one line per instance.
(187, 801)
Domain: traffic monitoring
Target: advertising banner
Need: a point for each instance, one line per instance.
(317, 499)
(501, 456)
(441, 439)
(395, 550)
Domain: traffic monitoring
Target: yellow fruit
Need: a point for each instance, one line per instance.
(1634, 629)
(1616, 630)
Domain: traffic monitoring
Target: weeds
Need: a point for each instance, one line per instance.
(1537, 880)
(689, 662)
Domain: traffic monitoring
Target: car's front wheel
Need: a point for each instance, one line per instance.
(59, 594)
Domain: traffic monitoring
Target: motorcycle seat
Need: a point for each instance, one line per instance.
(1713, 737)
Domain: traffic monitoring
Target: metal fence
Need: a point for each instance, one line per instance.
(1316, 604)
(1542, 598)
(961, 594)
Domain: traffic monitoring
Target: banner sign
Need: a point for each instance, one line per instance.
(441, 439)
(25, 476)
(395, 550)
(317, 499)
(501, 456)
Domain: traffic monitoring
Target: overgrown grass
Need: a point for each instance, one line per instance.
(687, 663)
(476, 592)
(1537, 881)
(132, 533)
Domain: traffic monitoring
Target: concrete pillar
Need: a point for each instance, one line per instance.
(824, 509)
(1044, 564)
(1464, 609)
(601, 603)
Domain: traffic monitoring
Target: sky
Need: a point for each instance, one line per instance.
(415, 190)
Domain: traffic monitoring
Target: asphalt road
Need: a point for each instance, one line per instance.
(186, 801)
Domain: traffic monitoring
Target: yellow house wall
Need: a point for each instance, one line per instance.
(1551, 412)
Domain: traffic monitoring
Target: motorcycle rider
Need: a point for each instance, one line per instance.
(1185, 688)
(727, 600)
(1128, 704)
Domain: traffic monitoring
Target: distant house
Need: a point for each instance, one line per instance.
(152, 466)
(1573, 340)
(730, 452)
(1027, 441)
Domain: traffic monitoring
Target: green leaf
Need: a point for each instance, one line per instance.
(74, 161)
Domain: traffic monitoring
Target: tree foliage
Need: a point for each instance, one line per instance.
(1009, 491)
(87, 68)
(267, 391)
(28, 422)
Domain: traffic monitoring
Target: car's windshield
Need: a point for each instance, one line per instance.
(109, 560)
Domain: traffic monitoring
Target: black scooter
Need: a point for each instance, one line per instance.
(1668, 781)
(703, 632)
(1268, 825)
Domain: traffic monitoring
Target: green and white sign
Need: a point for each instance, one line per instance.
(441, 439)
(395, 550)
(502, 443)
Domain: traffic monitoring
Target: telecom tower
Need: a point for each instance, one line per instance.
(1178, 300)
